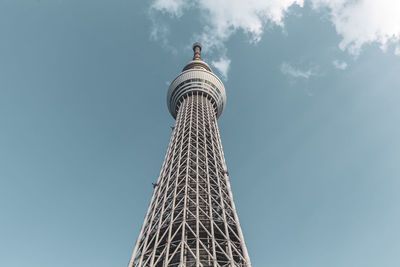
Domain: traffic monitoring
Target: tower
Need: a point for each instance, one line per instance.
(192, 220)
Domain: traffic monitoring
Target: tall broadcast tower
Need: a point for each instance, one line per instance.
(192, 220)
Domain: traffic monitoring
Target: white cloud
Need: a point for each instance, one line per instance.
(222, 65)
(287, 68)
(225, 17)
(361, 22)
(397, 50)
(341, 65)
(358, 22)
(173, 7)
(222, 18)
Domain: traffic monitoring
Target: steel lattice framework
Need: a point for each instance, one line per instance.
(192, 220)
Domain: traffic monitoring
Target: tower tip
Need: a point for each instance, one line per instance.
(197, 51)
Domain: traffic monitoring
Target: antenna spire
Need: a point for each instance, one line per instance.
(197, 51)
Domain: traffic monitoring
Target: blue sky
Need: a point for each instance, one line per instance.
(310, 132)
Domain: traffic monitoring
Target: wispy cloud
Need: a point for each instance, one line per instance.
(222, 65)
(289, 69)
(160, 33)
(341, 65)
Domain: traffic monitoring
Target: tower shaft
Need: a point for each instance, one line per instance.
(192, 220)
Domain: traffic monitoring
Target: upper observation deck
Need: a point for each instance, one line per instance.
(196, 76)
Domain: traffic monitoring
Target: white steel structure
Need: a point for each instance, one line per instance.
(192, 220)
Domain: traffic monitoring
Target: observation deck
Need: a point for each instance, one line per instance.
(196, 76)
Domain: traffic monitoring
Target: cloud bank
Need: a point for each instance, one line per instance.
(223, 18)
(358, 22)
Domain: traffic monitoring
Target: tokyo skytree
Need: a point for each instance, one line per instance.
(192, 220)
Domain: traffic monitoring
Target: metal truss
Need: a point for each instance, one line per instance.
(192, 220)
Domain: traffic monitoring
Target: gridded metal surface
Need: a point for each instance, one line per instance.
(191, 220)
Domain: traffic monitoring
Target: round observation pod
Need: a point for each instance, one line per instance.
(196, 77)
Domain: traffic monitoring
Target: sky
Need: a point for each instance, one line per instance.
(310, 131)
